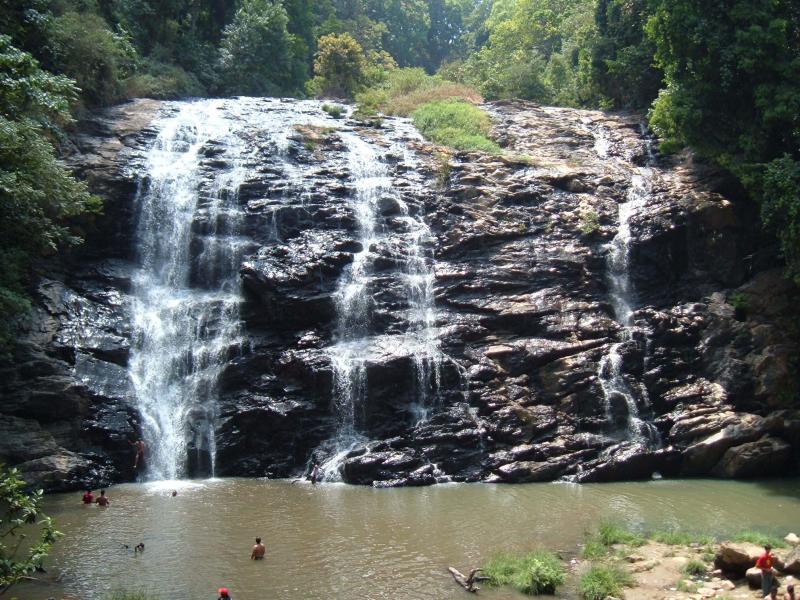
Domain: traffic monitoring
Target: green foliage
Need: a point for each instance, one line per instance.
(257, 53)
(780, 207)
(687, 586)
(622, 55)
(759, 538)
(137, 595)
(402, 91)
(20, 518)
(739, 301)
(334, 110)
(37, 194)
(91, 54)
(601, 581)
(456, 124)
(536, 49)
(694, 568)
(533, 573)
(590, 222)
(594, 549)
(339, 65)
(609, 534)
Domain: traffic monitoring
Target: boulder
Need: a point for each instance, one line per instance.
(791, 564)
(792, 539)
(700, 457)
(736, 558)
(765, 457)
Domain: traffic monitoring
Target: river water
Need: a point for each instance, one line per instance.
(336, 541)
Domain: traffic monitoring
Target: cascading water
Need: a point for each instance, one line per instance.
(187, 291)
(610, 372)
(355, 342)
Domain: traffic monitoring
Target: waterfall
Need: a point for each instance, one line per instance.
(355, 341)
(610, 372)
(186, 292)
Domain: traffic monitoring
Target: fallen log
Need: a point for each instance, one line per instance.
(467, 582)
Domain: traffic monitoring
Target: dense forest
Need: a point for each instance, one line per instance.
(719, 76)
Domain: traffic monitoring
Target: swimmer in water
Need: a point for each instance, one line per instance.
(258, 550)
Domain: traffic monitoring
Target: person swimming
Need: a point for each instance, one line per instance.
(102, 500)
(88, 497)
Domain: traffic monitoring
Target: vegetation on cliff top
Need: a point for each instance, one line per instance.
(720, 77)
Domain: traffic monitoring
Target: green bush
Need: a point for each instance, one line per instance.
(537, 572)
(694, 568)
(594, 549)
(456, 124)
(609, 533)
(601, 581)
(98, 59)
(590, 222)
(164, 82)
(334, 110)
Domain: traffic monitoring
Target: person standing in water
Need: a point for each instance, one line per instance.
(138, 461)
(314, 477)
(258, 550)
(103, 499)
(88, 497)
(223, 594)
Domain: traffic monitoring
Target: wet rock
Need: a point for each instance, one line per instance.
(736, 558)
(701, 456)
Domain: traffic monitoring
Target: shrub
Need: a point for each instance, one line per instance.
(456, 124)
(694, 568)
(533, 573)
(405, 90)
(334, 110)
(590, 222)
(163, 82)
(594, 549)
(610, 533)
(339, 65)
(601, 581)
(673, 538)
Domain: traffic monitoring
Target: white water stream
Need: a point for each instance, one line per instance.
(355, 342)
(610, 371)
(186, 292)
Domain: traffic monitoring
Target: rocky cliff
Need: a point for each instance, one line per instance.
(525, 320)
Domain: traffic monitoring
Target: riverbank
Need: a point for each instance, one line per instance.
(615, 562)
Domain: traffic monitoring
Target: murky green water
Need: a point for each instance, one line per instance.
(337, 541)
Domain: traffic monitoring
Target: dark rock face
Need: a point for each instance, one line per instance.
(523, 314)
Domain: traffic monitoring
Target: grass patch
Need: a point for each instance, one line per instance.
(694, 568)
(334, 110)
(594, 549)
(405, 90)
(758, 538)
(456, 124)
(590, 222)
(674, 537)
(689, 587)
(533, 573)
(609, 533)
(138, 595)
(601, 581)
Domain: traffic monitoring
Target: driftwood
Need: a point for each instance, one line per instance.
(467, 582)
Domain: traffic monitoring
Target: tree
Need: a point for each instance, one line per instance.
(257, 55)
(339, 65)
(623, 68)
(38, 196)
(22, 513)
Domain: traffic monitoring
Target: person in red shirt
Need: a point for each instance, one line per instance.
(88, 497)
(765, 562)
